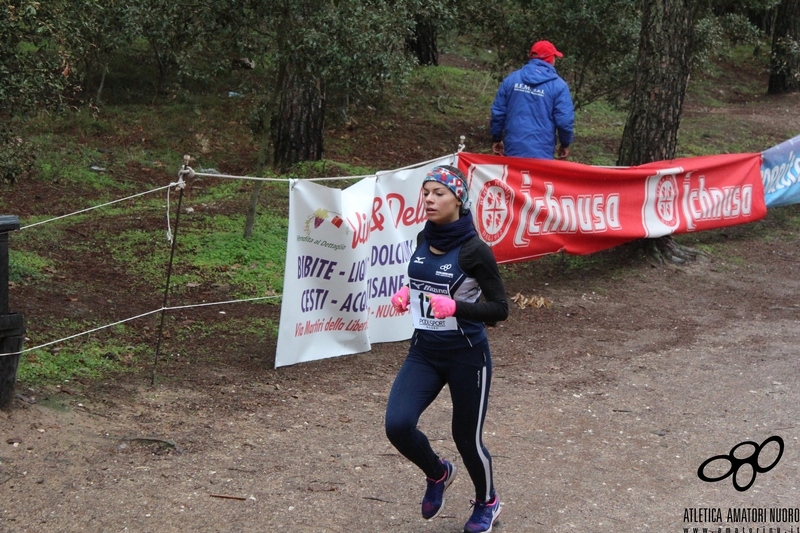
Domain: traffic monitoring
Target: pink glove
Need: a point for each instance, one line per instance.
(400, 300)
(442, 306)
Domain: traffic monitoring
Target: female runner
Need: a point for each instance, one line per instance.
(448, 272)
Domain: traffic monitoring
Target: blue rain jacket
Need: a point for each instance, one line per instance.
(532, 105)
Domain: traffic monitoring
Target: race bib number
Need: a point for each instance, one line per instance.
(422, 314)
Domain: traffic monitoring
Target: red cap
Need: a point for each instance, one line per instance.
(545, 51)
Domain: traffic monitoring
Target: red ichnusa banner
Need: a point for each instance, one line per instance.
(526, 208)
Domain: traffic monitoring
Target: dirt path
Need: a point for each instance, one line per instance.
(603, 407)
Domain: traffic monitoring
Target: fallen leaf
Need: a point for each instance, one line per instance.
(534, 301)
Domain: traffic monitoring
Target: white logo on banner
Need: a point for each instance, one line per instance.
(660, 211)
(495, 211)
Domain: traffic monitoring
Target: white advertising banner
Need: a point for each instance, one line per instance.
(347, 253)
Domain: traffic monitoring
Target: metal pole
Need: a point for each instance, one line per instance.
(184, 170)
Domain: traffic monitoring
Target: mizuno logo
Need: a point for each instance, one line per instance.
(419, 260)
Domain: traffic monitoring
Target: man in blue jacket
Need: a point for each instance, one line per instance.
(532, 107)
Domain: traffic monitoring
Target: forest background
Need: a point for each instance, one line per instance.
(104, 98)
(615, 376)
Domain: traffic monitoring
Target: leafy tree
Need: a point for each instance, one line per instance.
(33, 65)
(429, 18)
(759, 14)
(16, 156)
(171, 30)
(34, 74)
(674, 37)
(785, 58)
(598, 39)
(320, 52)
(423, 42)
(94, 31)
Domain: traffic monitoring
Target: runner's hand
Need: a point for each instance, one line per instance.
(442, 306)
(400, 300)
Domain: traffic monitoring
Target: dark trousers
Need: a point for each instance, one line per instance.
(468, 374)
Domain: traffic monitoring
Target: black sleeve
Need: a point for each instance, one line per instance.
(477, 260)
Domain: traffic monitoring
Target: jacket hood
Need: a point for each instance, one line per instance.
(538, 71)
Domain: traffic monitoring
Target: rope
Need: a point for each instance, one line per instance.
(96, 207)
(221, 303)
(193, 173)
(415, 165)
(188, 172)
(181, 185)
(39, 347)
(79, 334)
(228, 176)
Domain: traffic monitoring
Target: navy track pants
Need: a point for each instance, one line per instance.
(468, 374)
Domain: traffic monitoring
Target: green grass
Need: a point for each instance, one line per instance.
(255, 265)
(90, 357)
(69, 174)
(26, 265)
(92, 360)
(215, 190)
(256, 326)
(326, 168)
(451, 42)
(209, 250)
(443, 94)
(712, 134)
(598, 129)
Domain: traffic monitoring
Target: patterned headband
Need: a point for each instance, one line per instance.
(453, 179)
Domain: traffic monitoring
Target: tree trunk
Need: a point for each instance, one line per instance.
(784, 74)
(297, 128)
(666, 45)
(104, 71)
(263, 150)
(423, 44)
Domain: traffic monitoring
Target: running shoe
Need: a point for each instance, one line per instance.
(484, 515)
(433, 502)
